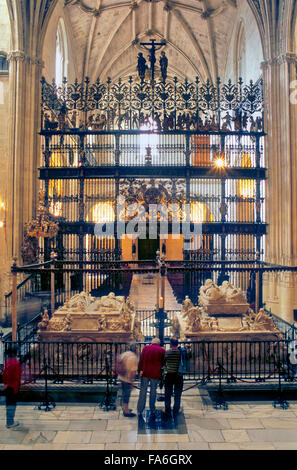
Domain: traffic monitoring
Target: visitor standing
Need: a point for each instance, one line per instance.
(11, 379)
(127, 367)
(175, 363)
(150, 371)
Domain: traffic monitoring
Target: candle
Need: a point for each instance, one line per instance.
(161, 302)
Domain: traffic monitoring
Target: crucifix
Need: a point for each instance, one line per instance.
(152, 47)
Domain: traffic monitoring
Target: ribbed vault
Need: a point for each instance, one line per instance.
(108, 33)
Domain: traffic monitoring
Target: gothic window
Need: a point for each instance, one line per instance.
(61, 53)
(3, 63)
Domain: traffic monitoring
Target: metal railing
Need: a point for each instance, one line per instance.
(26, 331)
(288, 330)
(30, 284)
(246, 361)
(244, 274)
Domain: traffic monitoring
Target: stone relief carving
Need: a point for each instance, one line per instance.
(102, 323)
(260, 321)
(44, 320)
(186, 306)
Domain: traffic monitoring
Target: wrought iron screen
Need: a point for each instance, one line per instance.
(165, 141)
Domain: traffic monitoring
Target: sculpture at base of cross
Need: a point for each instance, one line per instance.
(163, 65)
(141, 66)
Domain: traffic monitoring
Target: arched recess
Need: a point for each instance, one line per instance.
(258, 13)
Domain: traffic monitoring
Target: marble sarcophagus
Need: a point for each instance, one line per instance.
(86, 318)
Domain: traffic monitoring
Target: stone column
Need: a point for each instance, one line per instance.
(25, 75)
(281, 186)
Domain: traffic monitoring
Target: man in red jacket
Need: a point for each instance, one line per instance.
(11, 379)
(149, 369)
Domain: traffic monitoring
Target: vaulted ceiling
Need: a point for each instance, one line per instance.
(107, 35)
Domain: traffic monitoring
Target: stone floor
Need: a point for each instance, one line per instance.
(243, 426)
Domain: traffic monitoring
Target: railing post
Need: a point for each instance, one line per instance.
(161, 315)
(220, 401)
(46, 405)
(158, 280)
(257, 302)
(257, 299)
(14, 300)
(53, 301)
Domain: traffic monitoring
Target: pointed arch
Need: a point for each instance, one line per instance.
(240, 52)
(259, 15)
(61, 52)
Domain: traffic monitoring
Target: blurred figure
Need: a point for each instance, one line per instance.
(126, 369)
(11, 379)
(150, 371)
(1, 353)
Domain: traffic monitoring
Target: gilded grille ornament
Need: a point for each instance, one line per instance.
(43, 226)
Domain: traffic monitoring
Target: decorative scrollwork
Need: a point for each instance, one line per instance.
(171, 104)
